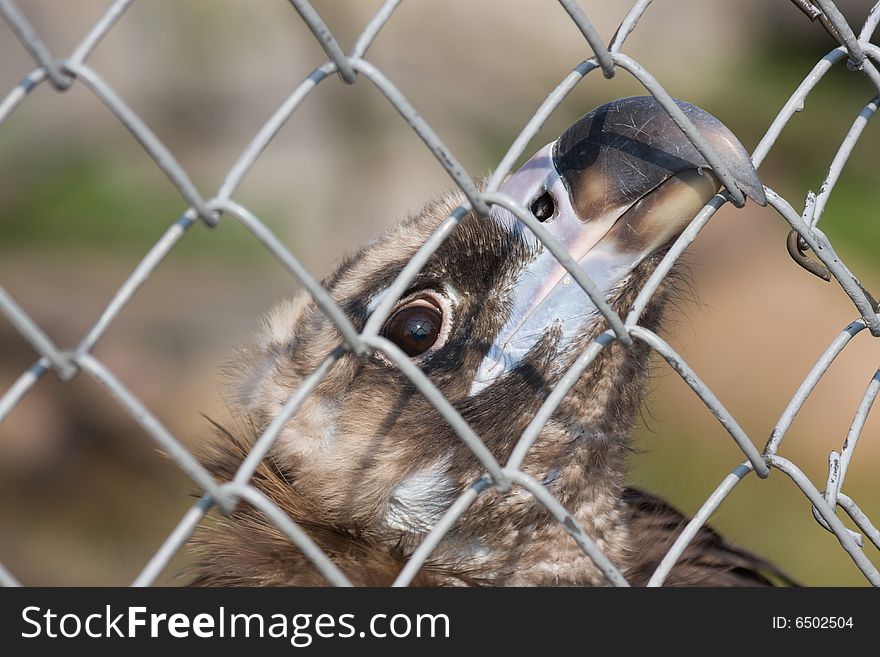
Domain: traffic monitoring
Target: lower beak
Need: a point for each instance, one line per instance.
(623, 183)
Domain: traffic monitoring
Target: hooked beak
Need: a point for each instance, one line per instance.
(616, 187)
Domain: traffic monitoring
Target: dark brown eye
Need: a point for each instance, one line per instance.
(415, 327)
(543, 207)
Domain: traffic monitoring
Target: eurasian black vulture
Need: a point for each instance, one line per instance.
(367, 466)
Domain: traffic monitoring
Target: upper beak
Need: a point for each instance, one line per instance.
(616, 187)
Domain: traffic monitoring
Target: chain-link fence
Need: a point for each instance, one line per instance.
(855, 51)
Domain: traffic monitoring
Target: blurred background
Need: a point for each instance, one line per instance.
(85, 496)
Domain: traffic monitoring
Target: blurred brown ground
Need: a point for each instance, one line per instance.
(85, 498)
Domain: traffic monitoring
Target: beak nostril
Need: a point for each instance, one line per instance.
(543, 207)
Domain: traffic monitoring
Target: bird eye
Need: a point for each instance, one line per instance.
(416, 326)
(543, 207)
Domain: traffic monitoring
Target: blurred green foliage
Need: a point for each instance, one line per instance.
(750, 517)
(91, 201)
(83, 197)
(800, 158)
(88, 194)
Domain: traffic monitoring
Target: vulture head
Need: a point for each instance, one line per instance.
(367, 466)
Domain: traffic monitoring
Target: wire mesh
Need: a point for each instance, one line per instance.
(860, 55)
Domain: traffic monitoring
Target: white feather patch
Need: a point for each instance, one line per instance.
(418, 502)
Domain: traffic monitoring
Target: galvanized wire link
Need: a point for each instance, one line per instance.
(672, 255)
(553, 100)
(322, 298)
(702, 391)
(507, 478)
(270, 434)
(186, 461)
(828, 515)
(22, 386)
(700, 517)
(843, 30)
(19, 92)
(839, 161)
(34, 334)
(365, 40)
(858, 516)
(795, 103)
(411, 270)
(425, 132)
(452, 417)
(438, 532)
(687, 127)
(267, 133)
(150, 142)
(6, 578)
(571, 266)
(870, 25)
(34, 45)
(134, 282)
(583, 540)
(173, 543)
(586, 27)
(554, 399)
(293, 531)
(808, 385)
(99, 31)
(326, 39)
(821, 246)
(839, 463)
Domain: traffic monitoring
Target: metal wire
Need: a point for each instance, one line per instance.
(61, 73)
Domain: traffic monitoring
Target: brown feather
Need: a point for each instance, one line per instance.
(338, 466)
(707, 561)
